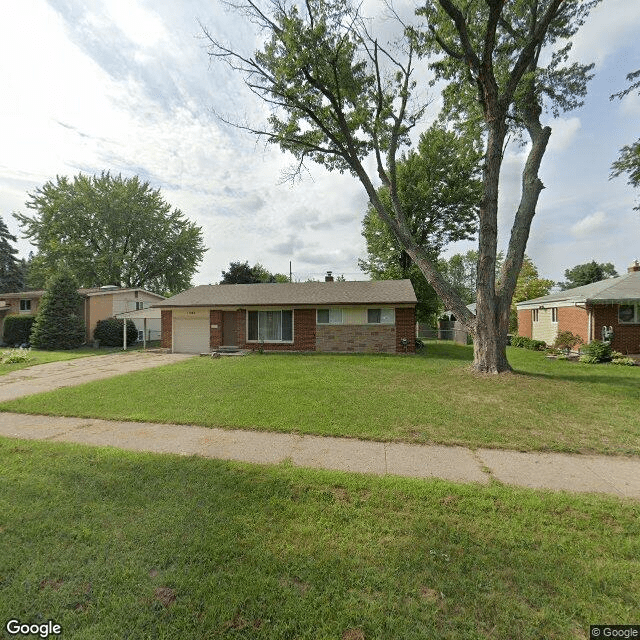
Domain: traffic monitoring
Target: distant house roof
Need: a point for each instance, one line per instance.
(95, 291)
(295, 294)
(625, 288)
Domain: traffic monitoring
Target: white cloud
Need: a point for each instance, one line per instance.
(590, 225)
(564, 132)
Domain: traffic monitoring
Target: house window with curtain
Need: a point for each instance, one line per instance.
(629, 314)
(329, 316)
(380, 316)
(270, 326)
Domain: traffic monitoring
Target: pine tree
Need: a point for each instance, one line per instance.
(59, 323)
(11, 269)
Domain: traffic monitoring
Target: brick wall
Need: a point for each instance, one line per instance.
(575, 320)
(524, 323)
(406, 328)
(626, 337)
(215, 334)
(345, 338)
(165, 328)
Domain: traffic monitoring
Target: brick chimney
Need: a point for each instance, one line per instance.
(634, 267)
(329, 277)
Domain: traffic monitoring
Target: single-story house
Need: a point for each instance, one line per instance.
(613, 303)
(357, 316)
(97, 304)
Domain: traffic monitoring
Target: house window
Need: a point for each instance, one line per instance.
(554, 314)
(25, 305)
(270, 326)
(139, 305)
(629, 314)
(534, 315)
(329, 316)
(380, 316)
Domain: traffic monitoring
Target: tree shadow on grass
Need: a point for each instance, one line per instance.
(599, 380)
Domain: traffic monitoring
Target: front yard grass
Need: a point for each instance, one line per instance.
(431, 398)
(115, 544)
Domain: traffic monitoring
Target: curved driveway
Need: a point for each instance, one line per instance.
(68, 373)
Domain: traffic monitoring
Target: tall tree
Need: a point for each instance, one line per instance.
(242, 273)
(629, 159)
(440, 191)
(338, 97)
(11, 269)
(59, 323)
(587, 273)
(111, 230)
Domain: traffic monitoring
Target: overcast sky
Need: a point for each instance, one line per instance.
(126, 86)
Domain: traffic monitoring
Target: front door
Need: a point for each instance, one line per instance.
(229, 329)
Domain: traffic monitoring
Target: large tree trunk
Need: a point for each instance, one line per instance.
(490, 339)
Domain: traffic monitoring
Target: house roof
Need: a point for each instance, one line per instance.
(95, 291)
(295, 294)
(625, 288)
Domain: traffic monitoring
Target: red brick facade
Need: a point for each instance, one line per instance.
(406, 328)
(166, 319)
(307, 336)
(574, 319)
(626, 337)
(525, 325)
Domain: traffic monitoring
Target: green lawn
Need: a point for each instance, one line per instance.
(41, 357)
(113, 544)
(431, 398)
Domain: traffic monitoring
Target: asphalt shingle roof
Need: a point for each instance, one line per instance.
(625, 288)
(295, 294)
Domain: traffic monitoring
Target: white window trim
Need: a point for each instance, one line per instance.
(20, 305)
(554, 313)
(535, 316)
(258, 341)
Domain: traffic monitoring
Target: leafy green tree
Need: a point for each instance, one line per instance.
(440, 191)
(12, 270)
(242, 273)
(629, 159)
(528, 286)
(340, 98)
(59, 323)
(587, 273)
(111, 230)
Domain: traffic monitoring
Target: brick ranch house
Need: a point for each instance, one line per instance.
(338, 317)
(613, 303)
(97, 304)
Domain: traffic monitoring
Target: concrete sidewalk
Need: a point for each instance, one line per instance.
(618, 476)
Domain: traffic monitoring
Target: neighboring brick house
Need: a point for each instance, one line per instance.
(339, 317)
(613, 303)
(97, 304)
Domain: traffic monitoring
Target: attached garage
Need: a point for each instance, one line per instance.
(191, 331)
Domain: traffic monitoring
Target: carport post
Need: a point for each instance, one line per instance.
(124, 333)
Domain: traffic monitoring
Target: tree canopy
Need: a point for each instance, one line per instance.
(528, 286)
(242, 273)
(628, 161)
(111, 230)
(12, 270)
(440, 191)
(587, 273)
(337, 96)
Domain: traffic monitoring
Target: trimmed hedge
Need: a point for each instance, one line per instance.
(527, 343)
(109, 332)
(17, 329)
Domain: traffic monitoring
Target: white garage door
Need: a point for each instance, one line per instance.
(191, 335)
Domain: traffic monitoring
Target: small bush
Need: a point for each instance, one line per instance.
(17, 329)
(596, 351)
(567, 341)
(588, 359)
(110, 331)
(16, 356)
(624, 361)
(527, 343)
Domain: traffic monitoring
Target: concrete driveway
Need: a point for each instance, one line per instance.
(68, 373)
